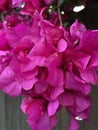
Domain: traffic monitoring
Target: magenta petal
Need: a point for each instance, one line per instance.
(44, 123)
(3, 41)
(32, 124)
(56, 77)
(53, 33)
(14, 89)
(29, 75)
(37, 118)
(66, 99)
(90, 76)
(41, 86)
(40, 50)
(56, 91)
(61, 45)
(25, 103)
(73, 84)
(89, 37)
(82, 103)
(14, 2)
(25, 44)
(47, 1)
(53, 121)
(3, 53)
(53, 92)
(32, 107)
(53, 60)
(14, 35)
(28, 84)
(52, 107)
(81, 59)
(77, 29)
(9, 83)
(85, 114)
(74, 124)
(32, 63)
(94, 60)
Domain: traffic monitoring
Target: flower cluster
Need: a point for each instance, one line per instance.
(51, 66)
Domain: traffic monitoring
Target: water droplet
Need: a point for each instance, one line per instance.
(78, 8)
(50, 6)
(62, 12)
(78, 118)
(50, 10)
(22, 4)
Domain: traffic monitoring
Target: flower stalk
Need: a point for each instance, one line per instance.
(59, 14)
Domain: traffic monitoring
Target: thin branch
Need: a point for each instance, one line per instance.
(59, 14)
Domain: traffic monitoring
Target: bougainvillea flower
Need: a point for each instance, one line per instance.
(8, 82)
(79, 110)
(77, 29)
(52, 107)
(66, 99)
(51, 66)
(74, 124)
(41, 86)
(29, 6)
(87, 39)
(75, 85)
(15, 34)
(39, 119)
(90, 76)
(4, 44)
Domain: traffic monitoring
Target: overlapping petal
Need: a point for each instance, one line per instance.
(53, 67)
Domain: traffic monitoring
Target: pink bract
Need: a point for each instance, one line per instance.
(51, 66)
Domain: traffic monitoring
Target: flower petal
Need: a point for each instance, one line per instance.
(52, 107)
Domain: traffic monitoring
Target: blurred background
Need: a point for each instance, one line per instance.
(86, 11)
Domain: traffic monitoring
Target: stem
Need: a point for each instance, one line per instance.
(59, 14)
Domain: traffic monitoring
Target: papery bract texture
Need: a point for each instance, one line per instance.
(52, 66)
